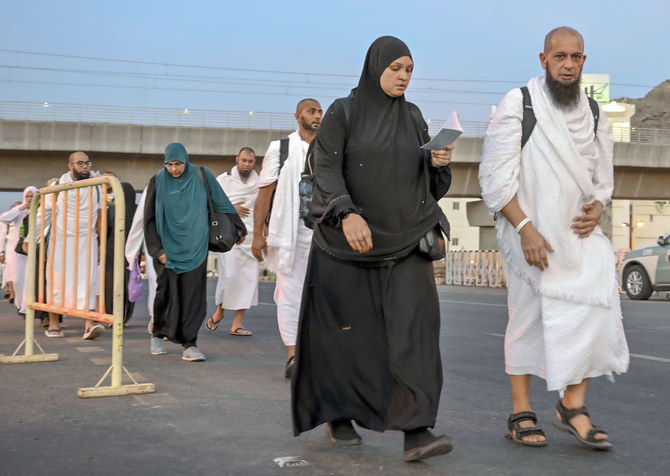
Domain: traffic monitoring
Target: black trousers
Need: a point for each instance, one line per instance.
(180, 304)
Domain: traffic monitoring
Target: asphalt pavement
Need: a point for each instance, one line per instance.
(230, 415)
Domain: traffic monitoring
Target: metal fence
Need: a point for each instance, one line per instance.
(474, 268)
(174, 117)
(179, 117)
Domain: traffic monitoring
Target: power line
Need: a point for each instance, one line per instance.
(236, 81)
(224, 68)
(219, 91)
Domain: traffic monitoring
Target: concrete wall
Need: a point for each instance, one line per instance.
(31, 152)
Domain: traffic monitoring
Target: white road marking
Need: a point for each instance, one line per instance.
(493, 334)
(650, 357)
(90, 349)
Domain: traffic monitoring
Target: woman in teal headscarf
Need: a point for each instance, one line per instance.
(176, 230)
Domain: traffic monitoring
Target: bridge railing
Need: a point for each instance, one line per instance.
(183, 117)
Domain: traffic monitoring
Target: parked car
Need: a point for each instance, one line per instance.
(647, 269)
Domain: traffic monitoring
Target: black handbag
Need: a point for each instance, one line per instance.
(432, 245)
(225, 229)
(19, 246)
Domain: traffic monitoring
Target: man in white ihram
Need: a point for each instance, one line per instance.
(237, 287)
(565, 322)
(288, 239)
(80, 169)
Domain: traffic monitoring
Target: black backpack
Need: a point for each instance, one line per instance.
(529, 120)
(283, 155)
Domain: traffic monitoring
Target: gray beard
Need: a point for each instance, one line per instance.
(565, 97)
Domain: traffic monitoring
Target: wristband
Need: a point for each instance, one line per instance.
(521, 224)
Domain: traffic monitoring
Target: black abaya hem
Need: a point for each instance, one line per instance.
(368, 345)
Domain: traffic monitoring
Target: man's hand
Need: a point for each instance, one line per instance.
(441, 158)
(162, 258)
(534, 246)
(242, 211)
(2, 258)
(24, 246)
(585, 224)
(24, 206)
(357, 233)
(259, 247)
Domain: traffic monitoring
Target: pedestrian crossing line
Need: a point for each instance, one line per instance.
(93, 348)
(650, 357)
(474, 303)
(102, 360)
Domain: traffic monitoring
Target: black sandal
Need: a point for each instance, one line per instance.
(516, 433)
(564, 425)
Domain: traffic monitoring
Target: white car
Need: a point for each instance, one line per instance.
(647, 269)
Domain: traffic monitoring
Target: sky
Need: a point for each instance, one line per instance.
(266, 55)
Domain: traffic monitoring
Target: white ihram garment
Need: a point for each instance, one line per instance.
(237, 286)
(134, 244)
(289, 239)
(13, 219)
(565, 323)
(3, 242)
(75, 245)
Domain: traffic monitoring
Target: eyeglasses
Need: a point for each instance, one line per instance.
(81, 163)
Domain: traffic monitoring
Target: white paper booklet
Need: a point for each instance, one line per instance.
(448, 133)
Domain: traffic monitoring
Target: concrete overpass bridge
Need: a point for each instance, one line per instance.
(35, 140)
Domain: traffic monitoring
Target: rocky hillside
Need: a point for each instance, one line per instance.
(653, 110)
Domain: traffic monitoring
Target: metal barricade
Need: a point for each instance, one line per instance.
(41, 268)
(474, 268)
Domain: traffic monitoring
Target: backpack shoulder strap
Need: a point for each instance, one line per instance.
(283, 152)
(596, 114)
(528, 121)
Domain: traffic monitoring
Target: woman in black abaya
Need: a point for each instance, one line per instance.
(368, 343)
(129, 196)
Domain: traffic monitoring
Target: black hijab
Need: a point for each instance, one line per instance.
(381, 167)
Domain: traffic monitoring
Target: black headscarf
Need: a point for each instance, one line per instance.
(371, 162)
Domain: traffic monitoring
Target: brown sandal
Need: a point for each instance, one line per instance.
(213, 325)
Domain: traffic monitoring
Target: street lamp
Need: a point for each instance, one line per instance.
(631, 228)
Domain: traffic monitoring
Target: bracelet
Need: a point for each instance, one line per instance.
(521, 224)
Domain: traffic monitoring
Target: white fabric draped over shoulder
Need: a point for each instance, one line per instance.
(560, 169)
(245, 193)
(285, 227)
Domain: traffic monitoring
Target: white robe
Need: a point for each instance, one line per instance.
(289, 239)
(73, 244)
(13, 219)
(237, 286)
(134, 244)
(560, 169)
(3, 242)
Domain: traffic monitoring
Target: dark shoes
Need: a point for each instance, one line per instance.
(342, 433)
(421, 444)
(563, 424)
(288, 369)
(517, 433)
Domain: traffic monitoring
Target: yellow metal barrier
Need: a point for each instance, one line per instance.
(45, 300)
